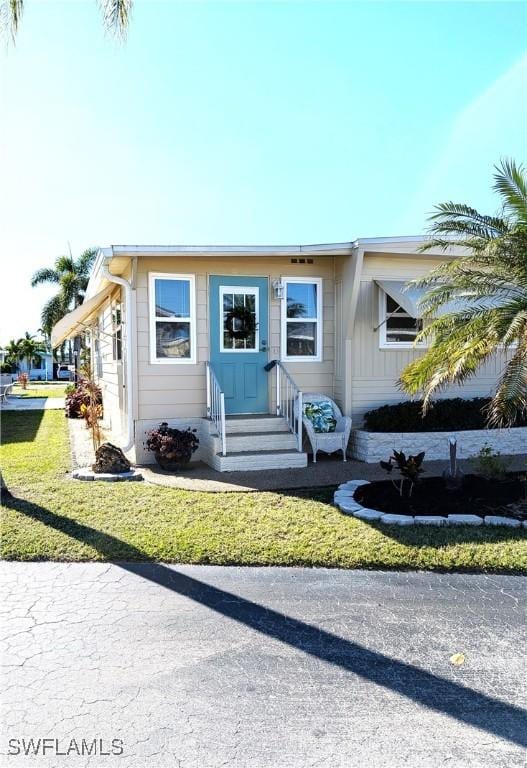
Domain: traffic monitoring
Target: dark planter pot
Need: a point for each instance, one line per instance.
(173, 465)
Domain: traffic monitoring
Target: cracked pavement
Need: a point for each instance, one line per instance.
(201, 667)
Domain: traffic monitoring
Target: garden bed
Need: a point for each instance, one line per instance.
(477, 496)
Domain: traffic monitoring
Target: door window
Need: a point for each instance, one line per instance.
(239, 315)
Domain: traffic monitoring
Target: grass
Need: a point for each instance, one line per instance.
(40, 389)
(55, 518)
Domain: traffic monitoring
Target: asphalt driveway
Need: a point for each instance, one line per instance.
(201, 667)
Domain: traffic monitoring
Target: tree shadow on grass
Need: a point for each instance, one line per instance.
(20, 430)
(473, 708)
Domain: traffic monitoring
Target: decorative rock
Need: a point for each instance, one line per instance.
(511, 522)
(341, 496)
(430, 520)
(350, 507)
(110, 459)
(465, 520)
(397, 519)
(86, 473)
(368, 514)
(351, 485)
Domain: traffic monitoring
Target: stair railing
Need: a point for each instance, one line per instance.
(289, 402)
(216, 406)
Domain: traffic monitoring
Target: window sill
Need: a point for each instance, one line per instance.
(301, 360)
(403, 345)
(173, 361)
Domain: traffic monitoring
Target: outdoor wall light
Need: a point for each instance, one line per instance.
(278, 289)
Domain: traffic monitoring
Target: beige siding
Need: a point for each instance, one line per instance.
(111, 381)
(168, 391)
(375, 371)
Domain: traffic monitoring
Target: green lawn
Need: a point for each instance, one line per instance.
(55, 518)
(40, 389)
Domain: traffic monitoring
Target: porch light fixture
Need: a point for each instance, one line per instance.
(278, 289)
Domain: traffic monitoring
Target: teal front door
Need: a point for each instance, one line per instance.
(239, 320)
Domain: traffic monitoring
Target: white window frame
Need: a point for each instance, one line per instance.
(117, 329)
(384, 343)
(191, 279)
(318, 320)
(241, 289)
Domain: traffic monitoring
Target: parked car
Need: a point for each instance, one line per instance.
(66, 372)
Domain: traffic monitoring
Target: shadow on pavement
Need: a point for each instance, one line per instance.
(439, 694)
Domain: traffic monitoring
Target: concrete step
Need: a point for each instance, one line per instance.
(254, 460)
(256, 423)
(258, 441)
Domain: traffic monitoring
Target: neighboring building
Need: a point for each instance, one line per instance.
(41, 370)
(175, 327)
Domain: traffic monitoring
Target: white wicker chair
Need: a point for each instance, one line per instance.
(327, 441)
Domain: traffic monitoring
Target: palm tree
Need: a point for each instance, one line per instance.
(482, 297)
(116, 16)
(72, 276)
(13, 354)
(31, 349)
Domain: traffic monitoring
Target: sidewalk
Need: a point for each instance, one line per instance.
(16, 403)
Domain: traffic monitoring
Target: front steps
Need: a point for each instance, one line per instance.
(255, 442)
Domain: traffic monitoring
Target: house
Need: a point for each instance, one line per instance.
(39, 369)
(224, 339)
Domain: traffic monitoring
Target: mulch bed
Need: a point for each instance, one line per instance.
(477, 496)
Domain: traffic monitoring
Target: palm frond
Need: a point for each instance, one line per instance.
(64, 264)
(116, 15)
(45, 275)
(460, 224)
(510, 399)
(52, 311)
(85, 262)
(10, 15)
(510, 181)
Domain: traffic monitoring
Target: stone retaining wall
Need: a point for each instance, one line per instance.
(376, 446)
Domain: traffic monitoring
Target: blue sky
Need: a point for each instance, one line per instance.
(248, 123)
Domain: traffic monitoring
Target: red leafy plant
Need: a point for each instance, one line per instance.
(172, 447)
(86, 393)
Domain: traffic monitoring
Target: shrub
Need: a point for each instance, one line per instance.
(6, 368)
(443, 416)
(170, 445)
(489, 464)
(81, 396)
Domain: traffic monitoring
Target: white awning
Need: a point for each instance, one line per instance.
(408, 298)
(75, 322)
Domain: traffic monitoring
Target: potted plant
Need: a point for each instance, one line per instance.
(173, 448)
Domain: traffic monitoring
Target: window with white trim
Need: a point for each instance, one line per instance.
(302, 319)
(117, 331)
(397, 328)
(97, 346)
(172, 318)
